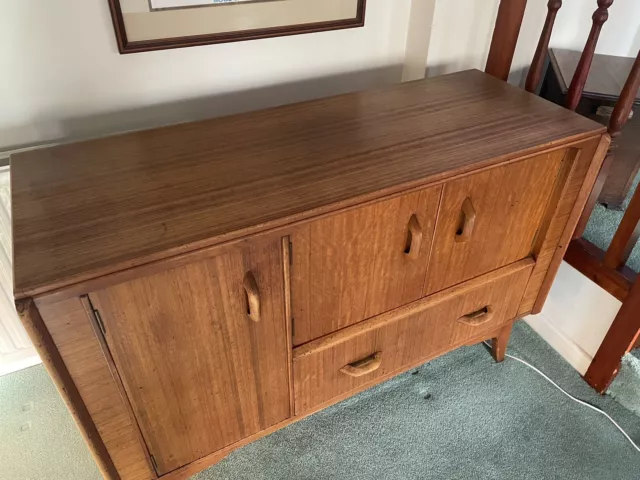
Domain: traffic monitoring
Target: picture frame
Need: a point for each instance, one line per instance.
(148, 25)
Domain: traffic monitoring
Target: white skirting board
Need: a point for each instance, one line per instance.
(575, 317)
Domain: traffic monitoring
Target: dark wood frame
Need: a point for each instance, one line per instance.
(126, 46)
(607, 269)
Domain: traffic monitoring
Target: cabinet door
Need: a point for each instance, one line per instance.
(201, 350)
(490, 219)
(357, 264)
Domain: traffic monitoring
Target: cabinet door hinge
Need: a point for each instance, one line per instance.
(153, 461)
(96, 313)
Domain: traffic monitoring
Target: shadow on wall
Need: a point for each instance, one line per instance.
(61, 129)
(517, 76)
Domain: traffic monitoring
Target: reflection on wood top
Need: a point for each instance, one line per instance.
(85, 209)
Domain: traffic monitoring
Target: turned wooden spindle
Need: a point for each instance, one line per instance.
(535, 72)
(584, 65)
(629, 230)
(505, 37)
(620, 247)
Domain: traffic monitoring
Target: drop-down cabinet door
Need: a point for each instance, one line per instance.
(353, 265)
(490, 219)
(201, 350)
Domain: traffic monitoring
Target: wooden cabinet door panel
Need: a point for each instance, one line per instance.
(199, 372)
(490, 219)
(351, 266)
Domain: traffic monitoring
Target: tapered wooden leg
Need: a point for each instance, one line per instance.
(499, 343)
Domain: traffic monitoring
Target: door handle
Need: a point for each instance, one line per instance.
(253, 296)
(468, 221)
(414, 238)
(364, 366)
(479, 317)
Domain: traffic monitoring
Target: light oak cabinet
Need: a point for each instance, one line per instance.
(490, 219)
(357, 264)
(193, 288)
(401, 339)
(201, 350)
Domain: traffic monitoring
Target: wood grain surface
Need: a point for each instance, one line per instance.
(104, 439)
(505, 37)
(86, 209)
(199, 372)
(189, 470)
(402, 340)
(509, 203)
(606, 78)
(354, 265)
(575, 179)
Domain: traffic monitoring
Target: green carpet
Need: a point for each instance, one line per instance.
(460, 417)
(603, 224)
(38, 438)
(625, 388)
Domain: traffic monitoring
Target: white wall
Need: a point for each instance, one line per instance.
(620, 35)
(62, 76)
(575, 317)
(462, 30)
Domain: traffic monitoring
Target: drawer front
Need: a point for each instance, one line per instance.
(360, 263)
(490, 219)
(342, 362)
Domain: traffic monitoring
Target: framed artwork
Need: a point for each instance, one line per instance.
(144, 25)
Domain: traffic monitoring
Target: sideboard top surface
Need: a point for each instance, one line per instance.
(85, 209)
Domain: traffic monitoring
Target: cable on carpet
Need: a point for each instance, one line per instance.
(581, 402)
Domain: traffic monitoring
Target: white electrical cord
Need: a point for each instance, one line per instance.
(581, 402)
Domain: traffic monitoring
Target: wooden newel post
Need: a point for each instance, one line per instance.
(505, 37)
(628, 232)
(622, 110)
(619, 250)
(600, 16)
(535, 72)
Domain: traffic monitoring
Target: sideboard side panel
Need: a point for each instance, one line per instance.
(552, 243)
(80, 350)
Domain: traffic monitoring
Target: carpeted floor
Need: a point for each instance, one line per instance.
(460, 417)
(603, 224)
(625, 388)
(38, 438)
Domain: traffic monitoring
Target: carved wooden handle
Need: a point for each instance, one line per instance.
(253, 296)
(364, 366)
(414, 238)
(479, 317)
(469, 221)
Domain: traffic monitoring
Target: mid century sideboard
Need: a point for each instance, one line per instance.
(195, 287)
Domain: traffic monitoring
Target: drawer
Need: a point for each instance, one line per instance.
(357, 264)
(356, 356)
(490, 219)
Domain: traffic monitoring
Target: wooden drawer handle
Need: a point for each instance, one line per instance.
(414, 238)
(479, 317)
(253, 296)
(364, 366)
(468, 221)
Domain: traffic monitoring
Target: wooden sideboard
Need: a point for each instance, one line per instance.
(195, 287)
